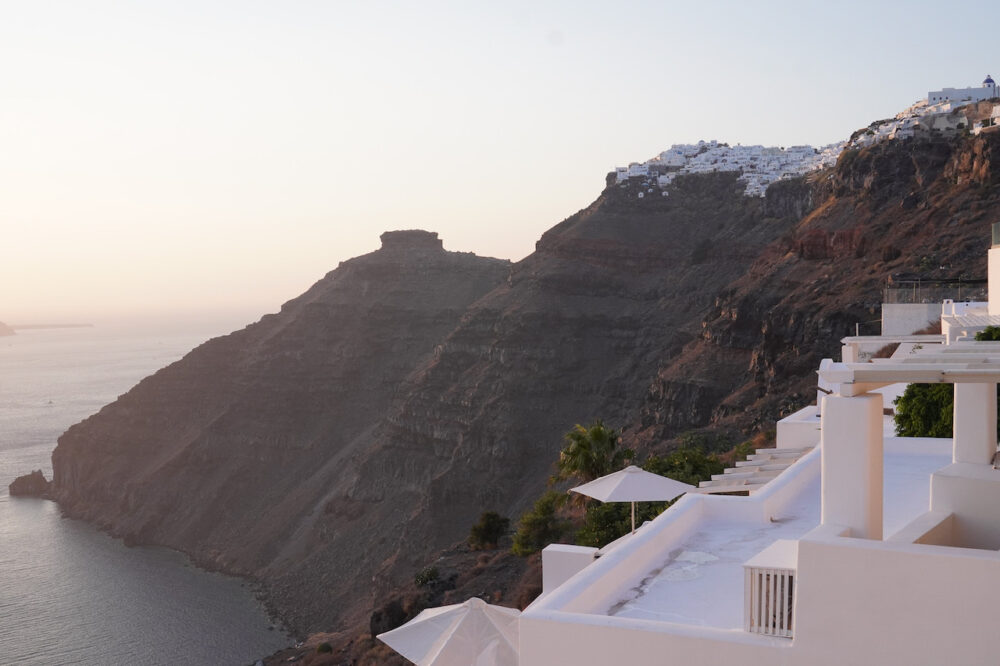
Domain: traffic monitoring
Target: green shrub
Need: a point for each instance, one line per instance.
(487, 532)
(603, 523)
(688, 465)
(324, 648)
(540, 526)
(988, 333)
(925, 410)
(426, 576)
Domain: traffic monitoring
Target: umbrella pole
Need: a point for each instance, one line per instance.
(633, 517)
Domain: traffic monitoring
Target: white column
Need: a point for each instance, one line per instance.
(849, 353)
(852, 464)
(975, 423)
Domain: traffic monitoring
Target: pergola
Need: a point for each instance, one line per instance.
(852, 423)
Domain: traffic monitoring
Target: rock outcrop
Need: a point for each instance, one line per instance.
(5, 330)
(30, 485)
(331, 449)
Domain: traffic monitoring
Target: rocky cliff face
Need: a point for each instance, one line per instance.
(921, 206)
(331, 449)
(234, 452)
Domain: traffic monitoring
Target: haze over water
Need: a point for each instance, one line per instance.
(70, 594)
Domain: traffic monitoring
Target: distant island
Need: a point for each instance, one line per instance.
(5, 330)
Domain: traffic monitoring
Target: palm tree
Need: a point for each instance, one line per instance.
(592, 452)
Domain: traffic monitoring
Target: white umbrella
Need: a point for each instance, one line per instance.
(474, 633)
(633, 485)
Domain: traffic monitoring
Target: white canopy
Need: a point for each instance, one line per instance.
(633, 485)
(473, 633)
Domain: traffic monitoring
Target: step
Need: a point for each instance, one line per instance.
(784, 464)
(761, 474)
(730, 489)
(773, 454)
(801, 449)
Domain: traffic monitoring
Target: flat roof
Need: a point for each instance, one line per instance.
(700, 580)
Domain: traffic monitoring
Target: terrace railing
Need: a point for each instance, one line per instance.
(770, 600)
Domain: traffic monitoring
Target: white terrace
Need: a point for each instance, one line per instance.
(869, 548)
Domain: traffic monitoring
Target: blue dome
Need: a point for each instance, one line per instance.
(989, 81)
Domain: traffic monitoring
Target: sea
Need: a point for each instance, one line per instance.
(70, 594)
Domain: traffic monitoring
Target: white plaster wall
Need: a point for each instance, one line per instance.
(799, 429)
(972, 493)
(560, 562)
(869, 602)
(907, 318)
(583, 640)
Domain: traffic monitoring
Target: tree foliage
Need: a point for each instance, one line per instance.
(603, 523)
(540, 526)
(487, 532)
(925, 410)
(688, 464)
(591, 452)
(988, 333)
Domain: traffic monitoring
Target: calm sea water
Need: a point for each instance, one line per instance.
(68, 593)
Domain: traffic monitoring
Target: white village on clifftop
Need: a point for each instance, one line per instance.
(851, 546)
(759, 166)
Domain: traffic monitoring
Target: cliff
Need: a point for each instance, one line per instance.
(923, 206)
(331, 450)
(235, 452)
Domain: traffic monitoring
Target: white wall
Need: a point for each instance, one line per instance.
(972, 493)
(560, 562)
(907, 318)
(869, 602)
(800, 429)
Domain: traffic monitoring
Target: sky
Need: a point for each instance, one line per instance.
(176, 159)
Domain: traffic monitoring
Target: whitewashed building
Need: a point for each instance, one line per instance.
(854, 546)
(988, 90)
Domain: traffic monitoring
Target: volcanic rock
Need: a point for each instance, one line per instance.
(30, 485)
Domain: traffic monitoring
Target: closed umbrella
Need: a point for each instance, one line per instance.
(473, 633)
(633, 484)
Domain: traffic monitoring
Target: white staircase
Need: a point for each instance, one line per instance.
(752, 473)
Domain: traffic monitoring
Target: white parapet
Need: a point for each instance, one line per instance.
(800, 429)
(851, 439)
(560, 562)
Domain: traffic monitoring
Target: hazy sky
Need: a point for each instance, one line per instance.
(164, 157)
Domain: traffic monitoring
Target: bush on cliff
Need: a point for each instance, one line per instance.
(485, 534)
(603, 523)
(540, 526)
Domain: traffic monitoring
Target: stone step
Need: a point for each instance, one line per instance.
(774, 454)
(730, 488)
(746, 465)
(756, 474)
